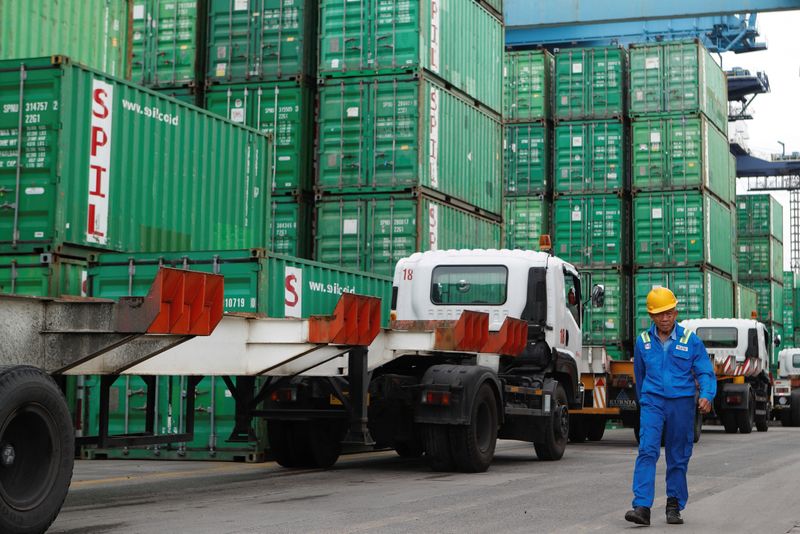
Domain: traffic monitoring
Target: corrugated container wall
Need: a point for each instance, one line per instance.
(91, 32)
(609, 324)
(677, 77)
(527, 151)
(590, 157)
(108, 165)
(384, 134)
(258, 41)
(760, 258)
(770, 299)
(371, 233)
(759, 215)
(700, 294)
(290, 218)
(591, 231)
(166, 38)
(460, 42)
(286, 111)
(681, 229)
(526, 218)
(590, 83)
(680, 152)
(746, 302)
(788, 321)
(527, 85)
(41, 275)
(255, 281)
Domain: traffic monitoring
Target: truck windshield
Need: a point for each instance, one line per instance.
(719, 337)
(796, 361)
(469, 284)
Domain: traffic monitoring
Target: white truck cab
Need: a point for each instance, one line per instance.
(786, 400)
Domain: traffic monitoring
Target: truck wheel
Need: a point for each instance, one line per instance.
(596, 428)
(762, 421)
(437, 448)
(556, 429)
(746, 418)
(786, 417)
(37, 448)
(729, 421)
(473, 444)
(289, 444)
(324, 441)
(795, 408)
(577, 429)
(698, 426)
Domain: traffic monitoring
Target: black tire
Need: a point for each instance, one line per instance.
(698, 426)
(437, 448)
(762, 421)
(473, 444)
(745, 419)
(577, 429)
(556, 429)
(795, 408)
(324, 441)
(786, 417)
(596, 427)
(729, 421)
(290, 444)
(37, 442)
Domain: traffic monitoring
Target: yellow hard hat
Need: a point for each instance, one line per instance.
(661, 299)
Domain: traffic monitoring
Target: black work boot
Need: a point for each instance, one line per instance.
(673, 512)
(639, 515)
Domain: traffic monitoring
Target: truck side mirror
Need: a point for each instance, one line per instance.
(598, 295)
(777, 340)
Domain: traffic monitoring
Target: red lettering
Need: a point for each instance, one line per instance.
(102, 113)
(91, 228)
(291, 290)
(98, 181)
(99, 138)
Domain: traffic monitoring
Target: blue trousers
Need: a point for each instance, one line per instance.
(675, 417)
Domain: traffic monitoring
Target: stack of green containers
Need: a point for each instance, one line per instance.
(591, 185)
(682, 180)
(409, 137)
(788, 322)
(793, 337)
(260, 71)
(527, 147)
(759, 224)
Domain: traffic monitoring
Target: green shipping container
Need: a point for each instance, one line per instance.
(677, 77)
(760, 258)
(386, 134)
(166, 36)
(495, 6)
(526, 150)
(461, 42)
(746, 302)
(261, 40)
(255, 281)
(789, 305)
(682, 229)
(291, 126)
(42, 275)
(527, 85)
(732, 175)
(590, 83)
(759, 215)
(770, 299)
(607, 325)
(290, 218)
(108, 165)
(591, 231)
(526, 218)
(91, 32)
(680, 152)
(590, 157)
(372, 233)
(214, 419)
(187, 95)
(700, 294)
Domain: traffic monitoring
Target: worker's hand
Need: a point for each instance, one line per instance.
(703, 405)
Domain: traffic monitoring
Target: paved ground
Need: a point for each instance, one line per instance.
(738, 483)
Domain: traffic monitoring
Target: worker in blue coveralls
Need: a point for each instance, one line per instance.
(668, 361)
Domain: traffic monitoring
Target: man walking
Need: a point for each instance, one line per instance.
(667, 359)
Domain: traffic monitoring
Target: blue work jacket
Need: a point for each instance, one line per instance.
(672, 373)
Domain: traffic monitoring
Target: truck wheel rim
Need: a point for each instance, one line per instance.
(561, 426)
(27, 477)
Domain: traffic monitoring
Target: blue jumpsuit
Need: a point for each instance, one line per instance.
(665, 384)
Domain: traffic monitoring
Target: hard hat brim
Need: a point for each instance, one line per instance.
(662, 309)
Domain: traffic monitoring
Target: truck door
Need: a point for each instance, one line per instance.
(569, 326)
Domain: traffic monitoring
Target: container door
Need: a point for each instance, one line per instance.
(344, 121)
(395, 35)
(344, 35)
(682, 77)
(650, 141)
(176, 42)
(395, 137)
(230, 41)
(646, 80)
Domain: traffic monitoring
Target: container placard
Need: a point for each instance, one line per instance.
(293, 292)
(99, 162)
